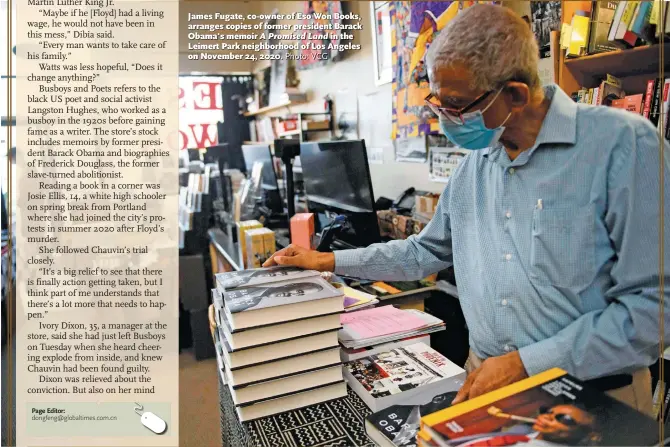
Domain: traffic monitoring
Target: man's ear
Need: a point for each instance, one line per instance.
(518, 95)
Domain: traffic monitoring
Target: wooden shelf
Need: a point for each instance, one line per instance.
(644, 60)
(272, 108)
(289, 133)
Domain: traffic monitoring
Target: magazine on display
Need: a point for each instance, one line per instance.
(550, 409)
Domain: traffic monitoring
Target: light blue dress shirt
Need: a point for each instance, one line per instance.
(556, 254)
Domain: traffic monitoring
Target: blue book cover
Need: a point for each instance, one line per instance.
(641, 19)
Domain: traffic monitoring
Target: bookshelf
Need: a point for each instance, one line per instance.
(633, 66)
(272, 108)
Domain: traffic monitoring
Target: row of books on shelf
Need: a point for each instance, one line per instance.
(653, 104)
(613, 25)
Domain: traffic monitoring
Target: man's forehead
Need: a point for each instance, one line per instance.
(451, 82)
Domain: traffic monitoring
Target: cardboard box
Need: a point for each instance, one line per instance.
(260, 243)
(242, 228)
(302, 230)
(426, 205)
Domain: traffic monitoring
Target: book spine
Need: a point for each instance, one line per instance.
(614, 26)
(655, 102)
(665, 405)
(642, 18)
(655, 10)
(625, 19)
(647, 98)
(659, 393)
(663, 125)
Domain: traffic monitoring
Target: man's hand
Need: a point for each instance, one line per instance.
(494, 373)
(303, 258)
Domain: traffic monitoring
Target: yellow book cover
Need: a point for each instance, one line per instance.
(579, 37)
(242, 227)
(550, 407)
(629, 12)
(655, 12)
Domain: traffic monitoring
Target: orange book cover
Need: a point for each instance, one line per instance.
(619, 103)
(633, 103)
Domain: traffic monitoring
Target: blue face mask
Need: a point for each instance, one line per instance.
(473, 133)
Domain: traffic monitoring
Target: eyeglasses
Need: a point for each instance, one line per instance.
(563, 418)
(453, 115)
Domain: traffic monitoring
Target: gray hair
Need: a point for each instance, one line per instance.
(493, 43)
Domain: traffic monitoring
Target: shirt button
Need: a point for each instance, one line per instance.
(508, 257)
(508, 214)
(512, 171)
(504, 302)
(507, 348)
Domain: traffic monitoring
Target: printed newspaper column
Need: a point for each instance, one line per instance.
(97, 292)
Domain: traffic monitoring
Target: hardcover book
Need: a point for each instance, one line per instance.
(283, 301)
(410, 375)
(254, 277)
(279, 293)
(603, 13)
(548, 409)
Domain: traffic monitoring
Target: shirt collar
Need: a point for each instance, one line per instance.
(560, 123)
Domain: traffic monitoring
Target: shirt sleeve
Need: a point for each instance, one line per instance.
(624, 336)
(412, 259)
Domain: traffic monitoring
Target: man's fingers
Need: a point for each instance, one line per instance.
(464, 392)
(270, 262)
(289, 260)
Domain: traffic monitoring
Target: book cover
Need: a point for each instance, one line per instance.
(634, 103)
(399, 424)
(603, 13)
(279, 294)
(549, 409)
(255, 277)
(401, 369)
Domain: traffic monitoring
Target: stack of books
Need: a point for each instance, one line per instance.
(372, 331)
(277, 339)
(409, 375)
(551, 408)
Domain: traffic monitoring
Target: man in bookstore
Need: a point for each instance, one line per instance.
(551, 222)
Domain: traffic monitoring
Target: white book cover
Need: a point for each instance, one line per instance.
(255, 277)
(401, 369)
(279, 294)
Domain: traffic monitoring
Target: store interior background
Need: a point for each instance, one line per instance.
(354, 72)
